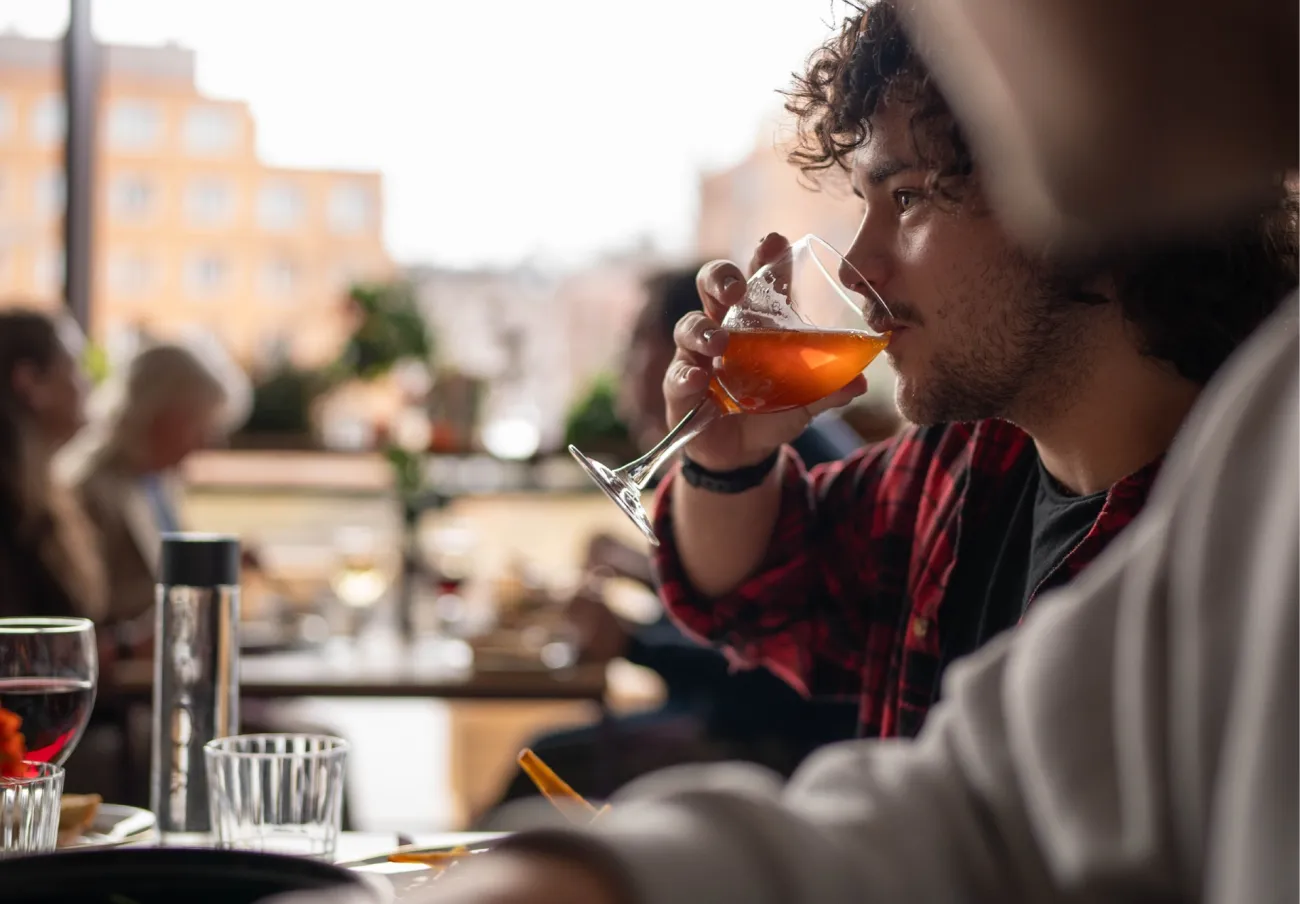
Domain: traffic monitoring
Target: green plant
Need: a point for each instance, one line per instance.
(94, 360)
(283, 401)
(408, 471)
(593, 421)
(389, 328)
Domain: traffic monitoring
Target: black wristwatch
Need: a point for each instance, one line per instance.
(728, 482)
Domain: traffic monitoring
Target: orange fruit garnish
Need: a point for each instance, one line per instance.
(13, 746)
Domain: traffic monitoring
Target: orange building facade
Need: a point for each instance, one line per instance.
(192, 230)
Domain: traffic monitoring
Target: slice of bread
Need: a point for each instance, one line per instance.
(76, 813)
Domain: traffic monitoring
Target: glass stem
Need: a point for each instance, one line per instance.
(701, 416)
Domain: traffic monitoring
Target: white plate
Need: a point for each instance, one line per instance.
(115, 824)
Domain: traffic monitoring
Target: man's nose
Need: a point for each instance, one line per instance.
(868, 258)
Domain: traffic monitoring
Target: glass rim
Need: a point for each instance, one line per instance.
(45, 625)
(48, 773)
(331, 746)
(860, 301)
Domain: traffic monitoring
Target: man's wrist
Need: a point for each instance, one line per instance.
(730, 481)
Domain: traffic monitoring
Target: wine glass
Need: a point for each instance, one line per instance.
(361, 577)
(796, 337)
(49, 668)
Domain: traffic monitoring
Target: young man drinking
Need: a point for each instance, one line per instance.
(1044, 392)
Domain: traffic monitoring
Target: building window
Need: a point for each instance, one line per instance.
(6, 117)
(210, 131)
(134, 125)
(49, 271)
(130, 273)
(50, 194)
(49, 120)
(280, 279)
(350, 208)
(132, 197)
(280, 205)
(209, 202)
(206, 275)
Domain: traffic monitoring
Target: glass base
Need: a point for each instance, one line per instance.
(626, 495)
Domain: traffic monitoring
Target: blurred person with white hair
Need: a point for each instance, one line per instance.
(170, 404)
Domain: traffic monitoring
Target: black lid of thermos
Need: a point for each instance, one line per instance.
(199, 560)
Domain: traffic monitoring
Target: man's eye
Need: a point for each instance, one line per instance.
(905, 198)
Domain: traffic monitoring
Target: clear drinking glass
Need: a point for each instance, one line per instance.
(279, 793)
(48, 671)
(800, 334)
(29, 810)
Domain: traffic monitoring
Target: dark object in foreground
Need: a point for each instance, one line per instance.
(167, 875)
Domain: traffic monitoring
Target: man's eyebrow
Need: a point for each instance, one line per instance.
(887, 169)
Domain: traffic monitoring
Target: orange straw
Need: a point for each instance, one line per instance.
(556, 789)
(431, 858)
(569, 802)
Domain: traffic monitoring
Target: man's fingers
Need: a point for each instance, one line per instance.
(772, 253)
(700, 335)
(686, 379)
(770, 248)
(721, 284)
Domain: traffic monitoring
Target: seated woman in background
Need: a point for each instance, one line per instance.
(49, 554)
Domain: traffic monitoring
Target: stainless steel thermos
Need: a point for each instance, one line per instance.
(196, 673)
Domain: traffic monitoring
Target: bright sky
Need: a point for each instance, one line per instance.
(504, 130)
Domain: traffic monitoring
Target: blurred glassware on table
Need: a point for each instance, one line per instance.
(29, 810)
(448, 550)
(277, 793)
(363, 572)
(49, 669)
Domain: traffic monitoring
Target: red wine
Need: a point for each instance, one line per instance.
(54, 713)
(449, 584)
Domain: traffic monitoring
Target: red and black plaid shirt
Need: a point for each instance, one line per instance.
(846, 602)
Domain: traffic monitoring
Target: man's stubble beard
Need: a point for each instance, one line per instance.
(1024, 367)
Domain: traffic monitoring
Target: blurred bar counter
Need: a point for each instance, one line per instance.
(370, 473)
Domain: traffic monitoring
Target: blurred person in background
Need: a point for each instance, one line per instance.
(171, 406)
(712, 711)
(122, 470)
(1044, 388)
(1137, 738)
(171, 403)
(49, 554)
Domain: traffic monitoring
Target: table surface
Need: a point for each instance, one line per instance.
(407, 880)
(390, 669)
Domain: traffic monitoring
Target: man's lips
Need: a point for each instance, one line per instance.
(885, 324)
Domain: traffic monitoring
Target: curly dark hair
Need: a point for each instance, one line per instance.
(868, 64)
(31, 337)
(1192, 299)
